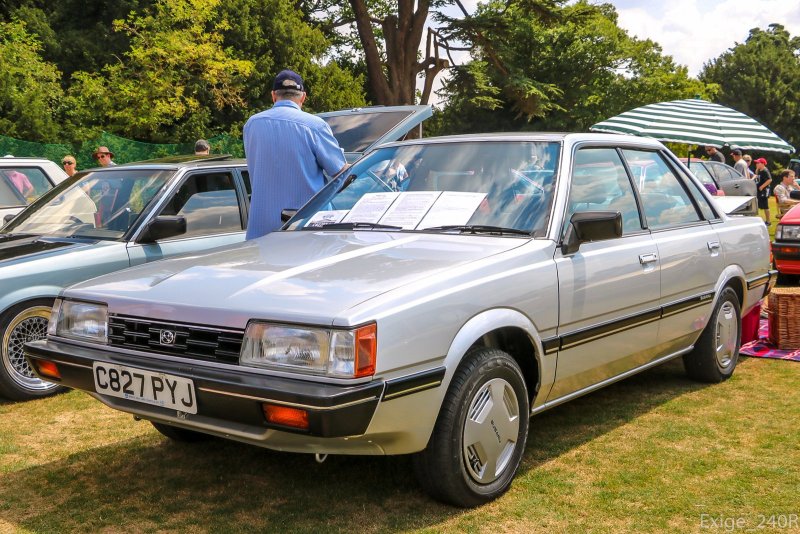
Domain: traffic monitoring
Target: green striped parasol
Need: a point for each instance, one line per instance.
(695, 122)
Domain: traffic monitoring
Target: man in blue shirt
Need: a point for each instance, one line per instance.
(287, 151)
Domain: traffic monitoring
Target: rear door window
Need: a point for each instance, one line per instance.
(665, 201)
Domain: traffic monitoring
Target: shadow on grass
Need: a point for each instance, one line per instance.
(149, 484)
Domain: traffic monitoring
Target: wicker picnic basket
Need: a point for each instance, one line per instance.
(784, 317)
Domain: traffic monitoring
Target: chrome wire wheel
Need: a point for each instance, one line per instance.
(28, 325)
(491, 430)
(726, 335)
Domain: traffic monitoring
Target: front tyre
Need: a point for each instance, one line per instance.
(480, 434)
(20, 324)
(716, 352)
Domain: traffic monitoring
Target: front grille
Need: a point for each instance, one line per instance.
(179, 339)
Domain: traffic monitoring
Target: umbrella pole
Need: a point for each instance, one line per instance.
(689, 156)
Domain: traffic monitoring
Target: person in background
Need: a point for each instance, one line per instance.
(762, 194)
(202, 148)
(287, 152)
(739, 163)
(714, 154)
(103, 156)
(21, 182)
(748, 159)
(783, 191)
(68, 162)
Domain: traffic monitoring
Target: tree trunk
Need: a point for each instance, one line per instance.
(394, 83)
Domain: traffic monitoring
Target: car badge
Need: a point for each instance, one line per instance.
(167, 337)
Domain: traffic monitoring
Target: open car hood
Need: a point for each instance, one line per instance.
(359, 130)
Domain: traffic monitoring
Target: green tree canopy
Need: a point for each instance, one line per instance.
(29, 86)
(563, 69)
(761, 77)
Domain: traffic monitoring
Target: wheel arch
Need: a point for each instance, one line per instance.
(28, 294)
(505, 329)
(733, 276)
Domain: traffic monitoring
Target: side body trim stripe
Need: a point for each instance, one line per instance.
(585, 335)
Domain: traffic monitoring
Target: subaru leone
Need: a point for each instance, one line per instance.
(428, 301)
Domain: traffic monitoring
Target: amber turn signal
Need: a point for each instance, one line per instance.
(366, 350)
(48, 369)
(284, 415)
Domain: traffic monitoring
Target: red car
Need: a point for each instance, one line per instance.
(786, 248)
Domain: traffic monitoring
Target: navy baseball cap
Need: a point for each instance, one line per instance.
(288, 79)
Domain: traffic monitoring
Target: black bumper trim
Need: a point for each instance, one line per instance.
(231, 395)
(400, 387)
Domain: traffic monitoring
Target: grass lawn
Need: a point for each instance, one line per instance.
(650, 454)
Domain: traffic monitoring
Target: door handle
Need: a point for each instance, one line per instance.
(713, 246)
(644, 259)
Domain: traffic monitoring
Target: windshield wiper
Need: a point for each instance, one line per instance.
(359, 226)
(477, 229)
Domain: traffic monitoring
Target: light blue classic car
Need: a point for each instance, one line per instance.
(102, 221)
(107, 219)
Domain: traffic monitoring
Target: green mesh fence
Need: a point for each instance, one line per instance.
(125, 150)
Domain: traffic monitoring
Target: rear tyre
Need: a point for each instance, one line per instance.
(716, 352)
(480, 433)
(18, 325)
(180, 434)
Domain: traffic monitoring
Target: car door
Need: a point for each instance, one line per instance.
(213, 204)
(691, 254)
(608, 290)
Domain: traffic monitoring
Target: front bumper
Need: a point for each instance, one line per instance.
(786, 256)
(229, 400)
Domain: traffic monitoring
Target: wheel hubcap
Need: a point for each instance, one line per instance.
(491, 431)
(727, 334)
(29, 325)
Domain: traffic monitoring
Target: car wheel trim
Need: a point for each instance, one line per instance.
(491, 430)
(727, 333)
(29, 325)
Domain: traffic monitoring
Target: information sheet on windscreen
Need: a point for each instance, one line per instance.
(414, 210)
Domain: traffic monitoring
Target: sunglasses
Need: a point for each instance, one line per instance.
(68, 163)
(103, 155)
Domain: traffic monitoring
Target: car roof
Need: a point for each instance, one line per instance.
(14, 160)
(565, 137)
(178, 162)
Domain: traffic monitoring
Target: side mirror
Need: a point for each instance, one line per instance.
(162, 227)
(591, 226)
(7, 218)
(287, 214)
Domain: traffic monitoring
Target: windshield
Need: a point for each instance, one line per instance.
(430, 187)
(98, 205)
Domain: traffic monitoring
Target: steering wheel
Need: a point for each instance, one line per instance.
(381, 182)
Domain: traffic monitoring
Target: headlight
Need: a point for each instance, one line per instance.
(789, 232)
(79, 320)
(318, 351)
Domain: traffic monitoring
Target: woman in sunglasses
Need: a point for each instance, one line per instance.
(68, 162)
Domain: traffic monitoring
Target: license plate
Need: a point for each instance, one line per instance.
(158, 389)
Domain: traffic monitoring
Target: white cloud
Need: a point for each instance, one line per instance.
(695, 32)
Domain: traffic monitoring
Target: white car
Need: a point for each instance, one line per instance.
(23, 180)
(429, 315)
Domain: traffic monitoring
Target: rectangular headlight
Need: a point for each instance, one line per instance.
(81, 320)
(317, 351)
(789, 232)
